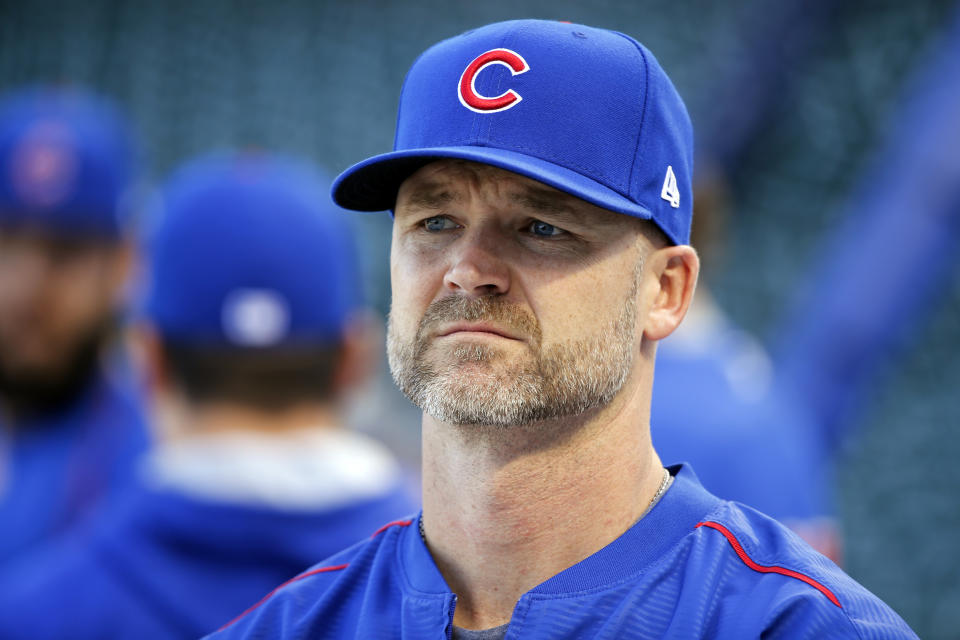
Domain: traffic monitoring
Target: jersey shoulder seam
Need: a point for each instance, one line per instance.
(772, 568)
(751, 564)
(333, 565)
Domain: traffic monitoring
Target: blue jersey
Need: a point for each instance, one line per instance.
(56, 469)
(158, 564)
(694, 567)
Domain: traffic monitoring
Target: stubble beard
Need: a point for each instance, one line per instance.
(480, 384)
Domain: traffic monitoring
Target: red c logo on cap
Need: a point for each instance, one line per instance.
(484, 104)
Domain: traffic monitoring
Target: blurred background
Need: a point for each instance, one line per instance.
(791, 102)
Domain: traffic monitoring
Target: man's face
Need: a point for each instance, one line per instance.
(58, 295)
(513, 303)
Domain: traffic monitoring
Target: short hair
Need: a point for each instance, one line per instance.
(653, 233)
(265, 378)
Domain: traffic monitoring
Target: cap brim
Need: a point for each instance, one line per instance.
(372, 185)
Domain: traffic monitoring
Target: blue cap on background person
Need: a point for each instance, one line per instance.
(68, 161)
(247, 250)
(585, 110)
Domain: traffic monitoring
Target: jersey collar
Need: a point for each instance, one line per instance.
(684, 505)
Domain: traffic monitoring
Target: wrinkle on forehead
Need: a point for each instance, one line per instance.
(444, 182)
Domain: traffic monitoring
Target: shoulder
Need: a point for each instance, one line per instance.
(339, 581)
(778, 582)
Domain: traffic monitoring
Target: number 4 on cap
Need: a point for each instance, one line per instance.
(670, 192)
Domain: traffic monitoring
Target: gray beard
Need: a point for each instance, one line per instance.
(547, 383)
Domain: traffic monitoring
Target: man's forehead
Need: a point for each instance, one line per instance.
(450, 174)
(448, 181)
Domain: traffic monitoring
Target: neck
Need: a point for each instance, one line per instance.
(506, 509)
(177, 421)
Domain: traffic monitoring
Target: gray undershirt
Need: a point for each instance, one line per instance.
(495, 633)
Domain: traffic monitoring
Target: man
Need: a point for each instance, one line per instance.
(70, 418)
(541, 192)
(252, 335)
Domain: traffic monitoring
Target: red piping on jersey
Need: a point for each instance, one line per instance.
(765, 569)
(395, 523)
(307, 574)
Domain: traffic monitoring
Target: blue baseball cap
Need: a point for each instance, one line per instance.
(587, 111)
(246, 250)
(68, 161)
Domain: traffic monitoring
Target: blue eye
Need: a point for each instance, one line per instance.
(544, 229)
(436, 223)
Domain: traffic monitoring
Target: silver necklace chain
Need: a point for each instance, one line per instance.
(664, 485)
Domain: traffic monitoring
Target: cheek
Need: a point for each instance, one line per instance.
(580, 304)
(71, 302)
(7, 288)
(82, 294)
(415, 281)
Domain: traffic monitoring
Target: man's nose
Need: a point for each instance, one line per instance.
(477, 265)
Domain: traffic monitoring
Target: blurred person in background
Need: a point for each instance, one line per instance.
(769, 427)
(252, 334)
(70, 417)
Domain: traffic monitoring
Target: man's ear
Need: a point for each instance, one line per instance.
(676, 269)
(166, 401)
(360, 347)
(146, 351)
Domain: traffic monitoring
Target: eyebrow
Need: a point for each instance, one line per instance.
(558, 205)
(432, 197)
(437, 196)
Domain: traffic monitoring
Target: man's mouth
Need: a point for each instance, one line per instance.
(480, 328)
